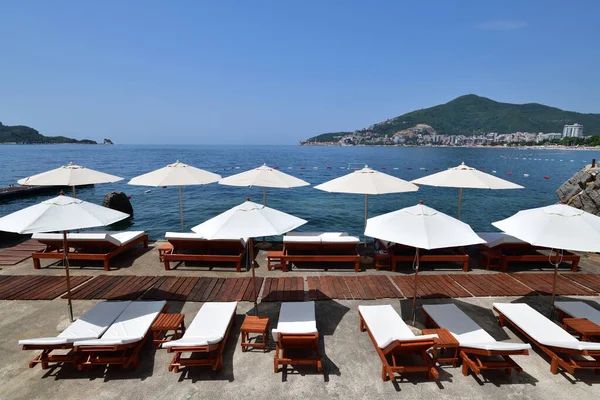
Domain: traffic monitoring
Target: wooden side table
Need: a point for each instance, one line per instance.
(165, 323)
(446, 341)
(164, 249)
(275, 260)
(382, 259)
(584, 327)
(258, 325)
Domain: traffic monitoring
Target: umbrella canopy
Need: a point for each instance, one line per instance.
(367, 181)
(61, 213)
(558, 226)
(69, 175)
(249, 220)
(264, 176)
(176, 174)
(422, 227)
(465, 177)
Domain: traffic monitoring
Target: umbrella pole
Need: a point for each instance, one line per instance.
(74, 192)
(366, 217)
(181, 209)
(414, 311)
(557, 261)
(459, 201)
(66, 250)
(254, 291)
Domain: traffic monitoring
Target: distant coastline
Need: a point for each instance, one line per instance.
(540, 147)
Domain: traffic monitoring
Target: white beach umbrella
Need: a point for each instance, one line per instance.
(421, 227)
(61, 213)
(367, 181)
(558, 226)
(69, 175)
(177, 174)
(246, 221)
(265, 177)
(465, 177)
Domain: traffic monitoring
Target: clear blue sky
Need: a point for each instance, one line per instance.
(281, 71)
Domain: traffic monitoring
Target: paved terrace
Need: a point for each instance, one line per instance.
(351, 365)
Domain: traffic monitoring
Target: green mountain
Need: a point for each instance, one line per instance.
(472, 115)
(25, 135)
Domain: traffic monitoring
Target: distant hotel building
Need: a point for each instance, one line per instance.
(575, 130)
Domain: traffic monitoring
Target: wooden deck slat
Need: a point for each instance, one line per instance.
(542, 284)
(590, 281)
(21, 252)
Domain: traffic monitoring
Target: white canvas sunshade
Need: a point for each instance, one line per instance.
(558, 226)
(69, 175)
(367, 181)
(62, 213)
(421, 227)
(264, 176)
(465, 177)
(249, 220)
(176, 174)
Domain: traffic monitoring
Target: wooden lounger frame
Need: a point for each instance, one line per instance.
(214, 353)
(473, 361)
(424, 256)
(206, 251)
(397, 348)
(54, 251)
(297, 341)
(537, 258)
(323, 252)
(45, 358)
(567, 362)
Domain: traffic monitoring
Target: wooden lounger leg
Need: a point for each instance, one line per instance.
(575, 266)
(276, 358)
(107, 265)
(36, 263)
(167, 265)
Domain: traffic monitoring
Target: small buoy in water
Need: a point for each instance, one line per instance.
(481, 169)
(249, 166)
(526, 175)
(383, 168)
(436, 169)
(148, 191)
(342, 167)
(329, 167)
(509, 173)
(410, 169)
(302, 168)
(289, 167)
(276, 167)
(237, 167)
(395, 168)
(164, 187)
(315, 167)
(494, 171)
(128, 197)
(546, 177)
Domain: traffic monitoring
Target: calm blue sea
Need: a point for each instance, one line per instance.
(158, 211)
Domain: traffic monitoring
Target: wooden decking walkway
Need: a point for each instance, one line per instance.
(20, 252)
(322, 287)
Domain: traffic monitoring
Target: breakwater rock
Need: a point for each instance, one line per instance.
(118, 201)
(582, 190)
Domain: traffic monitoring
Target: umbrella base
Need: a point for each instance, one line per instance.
(366, 260)
(264, 245)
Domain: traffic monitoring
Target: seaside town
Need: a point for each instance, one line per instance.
(425, 135)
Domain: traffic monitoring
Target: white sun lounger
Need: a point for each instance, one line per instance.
(90, 325)
(125, 337)
(474, 342)
(557, 343)
(578, 309)
(207, 334)
(297, 329)
(101, 246)
(392, 337)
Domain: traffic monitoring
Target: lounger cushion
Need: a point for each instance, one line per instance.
(319, 237)
(386, 326)
(540, 328)
(115, 238)
(195, 236)
(208, 327)
(131, 326)
(296, 318)
(579, 309)
(494, 239)
(90, 325)
(465, 330)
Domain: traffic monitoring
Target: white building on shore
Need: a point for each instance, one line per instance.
(575, 130)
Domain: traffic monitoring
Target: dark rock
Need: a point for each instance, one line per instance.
(118, 201)
(582, 191)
